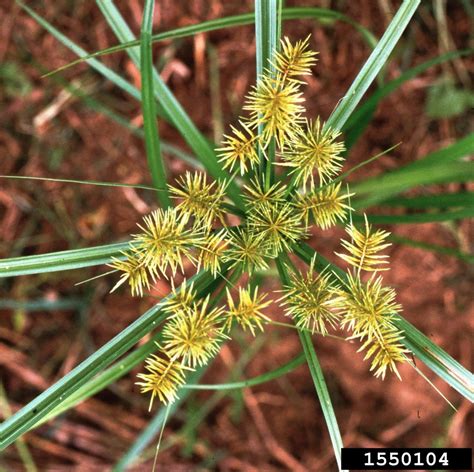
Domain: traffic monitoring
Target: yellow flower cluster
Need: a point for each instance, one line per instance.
(277, 215)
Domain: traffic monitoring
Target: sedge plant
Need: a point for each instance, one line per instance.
(276, 174)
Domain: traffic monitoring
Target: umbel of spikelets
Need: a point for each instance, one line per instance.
(276, 217)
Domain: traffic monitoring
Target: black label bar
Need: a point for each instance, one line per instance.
(407, 458)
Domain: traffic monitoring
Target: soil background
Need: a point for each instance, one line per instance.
(47, 132)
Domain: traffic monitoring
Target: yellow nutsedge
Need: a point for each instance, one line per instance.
(326, 205)
(194, 335)
(364, 248)
(368, 310)
(134, 271)
(309, 300)
(239, 150)
(211, 252)
(163, 379)
(180, 299)
(199, 199)
(314, 149)
(258, 195)
(164, 241)
(247, 311)
(275, 105)
(294, 59)
(247, 250)
(278, 224)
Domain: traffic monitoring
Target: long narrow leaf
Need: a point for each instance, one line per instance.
(180, 119)
(317, 376)
(61, 260)
(295, 13)
(152, 139)
(374, 64)
(33, 413)
(448, 369)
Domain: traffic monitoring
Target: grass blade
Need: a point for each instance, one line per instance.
(152, 139)
(373, 65)
(34, 412)
(295, 13)
(267, 33)
(61, 260)
(440, 200)
(271, 375)
(362, 116)
(417, 217)
(317, 375)
(435, 358)
(179, 118)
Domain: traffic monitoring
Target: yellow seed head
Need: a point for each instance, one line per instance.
(211, 252)
(314, 150)
(194, 335)
(134, 271)
(258, 195)
(308, 300)
(368, 310)
(163, 378)
(247, 250)
(180, 299)
(199, 199)
(164, 241)
(278, 224)
(276, 105)
(247, 311)
(325, 205)
(294, 59)
(239, 149)
(364, 248)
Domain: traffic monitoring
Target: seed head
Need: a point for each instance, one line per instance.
(294, 59)
(134, 271)
(314, 150)
(368, 310)
(163, 379)
(247, 250)
(276, 105)
(278, 224)
(164, 241)
(239, 149)
(309, 299)
(211, 252)
(258, 195)
(247, 311)
(194, 335)
(325, 205)
(180, 299)
(364, 248)
(199, 199)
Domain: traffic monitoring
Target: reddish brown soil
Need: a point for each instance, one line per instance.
(279, 425)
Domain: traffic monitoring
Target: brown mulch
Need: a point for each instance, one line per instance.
(273, 427)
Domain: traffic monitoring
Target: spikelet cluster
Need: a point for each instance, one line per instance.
(278, 214)
(367, 308)
(309, 300)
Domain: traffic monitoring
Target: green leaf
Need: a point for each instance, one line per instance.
(417, 217)
(323, 15)
(178, 116)
(316, 372)
(435, 358)
(439, 200)
(362, 116)
(61, 260)
(152, 139)
(33, 413)
(266, 377)
(374, 64)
